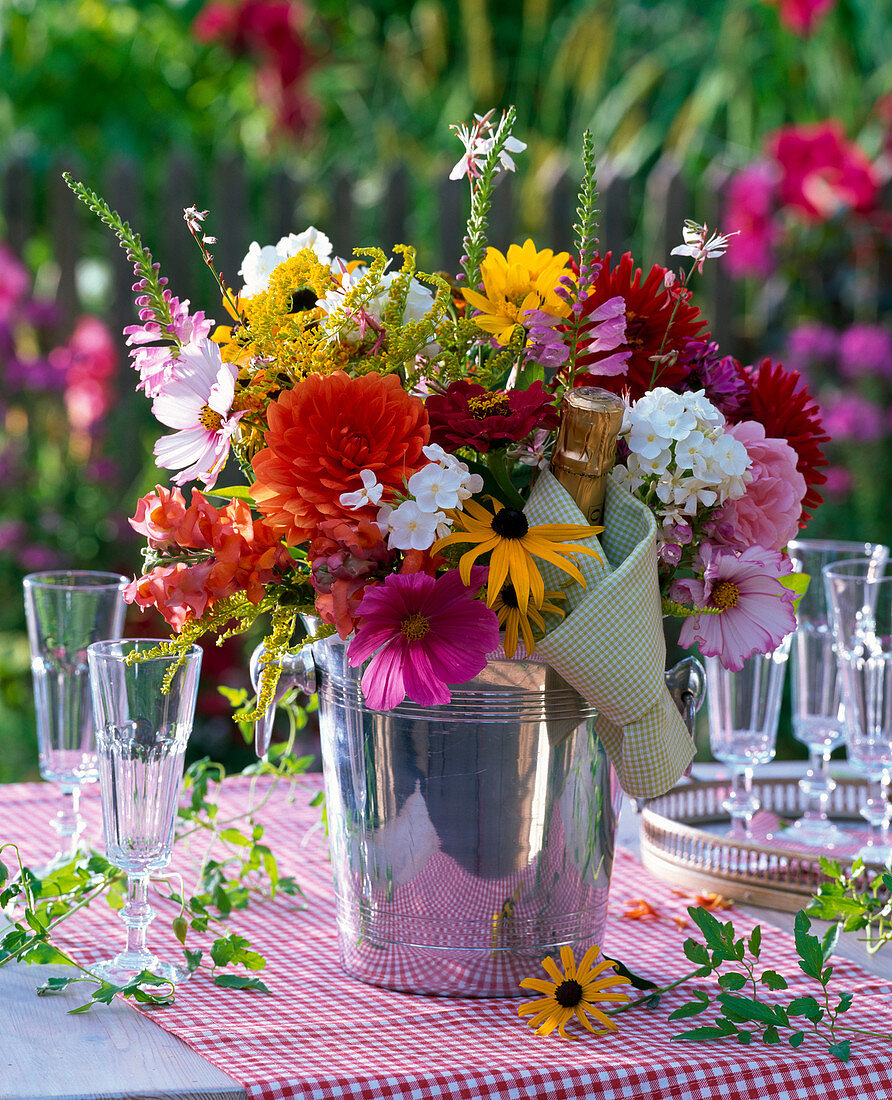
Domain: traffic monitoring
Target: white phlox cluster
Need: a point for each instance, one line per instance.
(419, 520)
(260, 262)
(680, 454)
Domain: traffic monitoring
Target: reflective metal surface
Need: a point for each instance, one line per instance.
(468, 840)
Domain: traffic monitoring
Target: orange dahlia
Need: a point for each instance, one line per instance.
(322, 434)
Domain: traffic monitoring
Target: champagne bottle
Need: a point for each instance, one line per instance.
(585, 448)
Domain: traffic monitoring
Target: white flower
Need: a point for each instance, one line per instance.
(698, 247)
(260, 263)
(478, 139)
(257, 266)
(410, 528)
(435, 487)
(310, 238)
(646, 440)
(370, 493)
(197, 401)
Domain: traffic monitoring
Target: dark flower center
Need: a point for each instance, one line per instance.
(510, 524)
(490, 404)
(415, 626)
(509, 596)
(302, 299)
(210, 420)
(724, 595)
(568, 994)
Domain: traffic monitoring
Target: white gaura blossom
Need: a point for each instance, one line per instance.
(698, 247)
(681, 454)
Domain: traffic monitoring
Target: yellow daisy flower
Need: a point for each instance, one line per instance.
(513, 620)
(573, 993)
(524, 279)
(513, 544)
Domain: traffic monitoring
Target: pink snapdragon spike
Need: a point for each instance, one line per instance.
(422, 633)
(755, 609)
(156, 362)
(197, 402)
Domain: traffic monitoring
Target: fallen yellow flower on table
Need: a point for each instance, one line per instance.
(574, 992)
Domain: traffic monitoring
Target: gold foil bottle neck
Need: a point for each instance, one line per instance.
(585, 449)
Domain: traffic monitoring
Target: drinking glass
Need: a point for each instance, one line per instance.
(744, 709)
(143, 706)
(66, 611)
(817, 706)
(860, 597)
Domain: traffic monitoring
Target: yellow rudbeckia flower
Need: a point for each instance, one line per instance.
(522, 280)
(573, 993)
(516, 622)
(512, 544)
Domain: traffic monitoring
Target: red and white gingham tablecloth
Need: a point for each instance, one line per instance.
(323, 1035)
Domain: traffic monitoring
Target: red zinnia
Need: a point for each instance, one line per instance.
(780, 401)
(467, 415)
(322, 435)
(649, 307)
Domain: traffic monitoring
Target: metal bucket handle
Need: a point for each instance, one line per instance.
(298, 671)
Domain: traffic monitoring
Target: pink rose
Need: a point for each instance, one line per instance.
(769, 511)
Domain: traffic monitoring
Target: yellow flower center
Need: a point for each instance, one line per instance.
(725, 594)
(210, 420)
(490, 404)
(415, 626)
(569, 993)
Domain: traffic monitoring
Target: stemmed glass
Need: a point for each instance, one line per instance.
(817, 707)
(860, 597)
(744, 709)
(66, 611)
(144, 706)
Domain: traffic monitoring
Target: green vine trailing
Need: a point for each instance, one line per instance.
(236, 866)
(862, 903)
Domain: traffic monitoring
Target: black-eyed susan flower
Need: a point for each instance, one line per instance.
(516, 622)
(573, 993)
(512, 544)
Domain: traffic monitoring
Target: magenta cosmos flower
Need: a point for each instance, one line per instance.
(422, 634)
(755, 609)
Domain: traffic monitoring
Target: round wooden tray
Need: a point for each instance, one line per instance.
(676, 848)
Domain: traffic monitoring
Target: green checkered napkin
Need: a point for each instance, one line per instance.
(610, 645)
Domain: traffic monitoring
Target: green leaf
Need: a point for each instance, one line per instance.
(842, 1051)
(845, 1002)
(745, 1037)
(693, 1008)
(748, 1009)
(732, 981)
(235, 836)
(231, 492)
(830, 867)
(773, 980)
(811, 957)
(717, 935)
(829, 942)
(771, 1035)
(240, 981)
(193, 960)
(805, 1006)
(318, 799)
(696, 952)
(722, 1029)
(798, 583)
(754, 944)
(222, 951)
(796, 1038)
(55, 985)
(180, 927)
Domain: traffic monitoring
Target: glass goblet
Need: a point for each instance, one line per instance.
(66, 611)
(861, 602)
(817, 706)
(143, 706)
(744, 709)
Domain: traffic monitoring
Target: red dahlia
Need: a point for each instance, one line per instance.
(467, 415)
(780, 401)
(649, 307)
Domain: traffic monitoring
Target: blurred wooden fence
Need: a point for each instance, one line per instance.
(37, 200)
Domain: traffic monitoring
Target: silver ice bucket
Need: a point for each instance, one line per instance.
(470, 840)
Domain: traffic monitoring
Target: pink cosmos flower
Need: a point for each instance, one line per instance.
(422, 633)
(756, 610)
(197, 401)
(768, 513)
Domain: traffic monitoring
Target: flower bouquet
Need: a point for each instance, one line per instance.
(394, 430)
